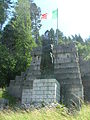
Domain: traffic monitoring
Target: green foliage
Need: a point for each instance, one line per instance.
(1, 92)
(77, 38)
(16, 44)
(4, 94)
(53, 36)
(1, 13)
(84, 50)
(24, 42)
(8, 37)
(60, 36)
(4, 11)
(7, 64)
(83, 46)
(35, 12)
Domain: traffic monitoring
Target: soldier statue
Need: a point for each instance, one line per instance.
(47, 57)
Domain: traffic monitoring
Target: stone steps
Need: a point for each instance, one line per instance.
(67, 70)
(68, 75)
(71, 81)
(66, 65)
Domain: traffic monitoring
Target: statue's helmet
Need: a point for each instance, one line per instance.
(46, 33)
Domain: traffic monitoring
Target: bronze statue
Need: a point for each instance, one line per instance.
(47, 58)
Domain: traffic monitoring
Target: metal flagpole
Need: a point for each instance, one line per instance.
(57, 26)
(57, 35)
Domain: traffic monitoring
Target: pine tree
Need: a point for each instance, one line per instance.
(23, 36)
(18, 41)
(35, 12)
(5, 6)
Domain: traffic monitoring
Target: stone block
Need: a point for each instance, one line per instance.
(51, 88)
(36, 81)
(43, 89)
(41, 96)
(45, 96)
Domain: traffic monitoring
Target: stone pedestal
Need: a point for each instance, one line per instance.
(42, 90)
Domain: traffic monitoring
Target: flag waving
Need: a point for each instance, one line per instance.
(52, 15)
(44, 16)
(55, 14)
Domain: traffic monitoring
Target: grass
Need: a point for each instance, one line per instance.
(44, 113)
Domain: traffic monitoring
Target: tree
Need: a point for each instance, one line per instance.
(18, 42)
(35, 12)
(23, 37)
(4, 11)
(83, 47)
(7, 65)
(60, 36)
(8, 37)
(77, 38)
(53, 36)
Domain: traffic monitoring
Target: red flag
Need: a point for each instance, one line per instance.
(44, 16)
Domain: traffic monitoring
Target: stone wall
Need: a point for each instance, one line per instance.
(41, 90)
(15, 87)
(67, 72)
(85, 74)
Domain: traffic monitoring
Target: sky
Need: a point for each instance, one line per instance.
(74, 16)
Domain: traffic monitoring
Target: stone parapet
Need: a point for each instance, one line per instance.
(66, 65)
(65, 48)
(66, 70)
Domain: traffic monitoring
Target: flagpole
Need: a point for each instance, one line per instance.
(57, 26)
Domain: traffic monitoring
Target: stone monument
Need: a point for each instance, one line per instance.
(53, 76)
(38, 86)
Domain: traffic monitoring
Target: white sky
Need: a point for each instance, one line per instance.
(74, 16)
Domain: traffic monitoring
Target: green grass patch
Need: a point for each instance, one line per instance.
(58, 113)
(46, 114)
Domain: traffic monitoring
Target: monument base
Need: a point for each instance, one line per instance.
(41, 90)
